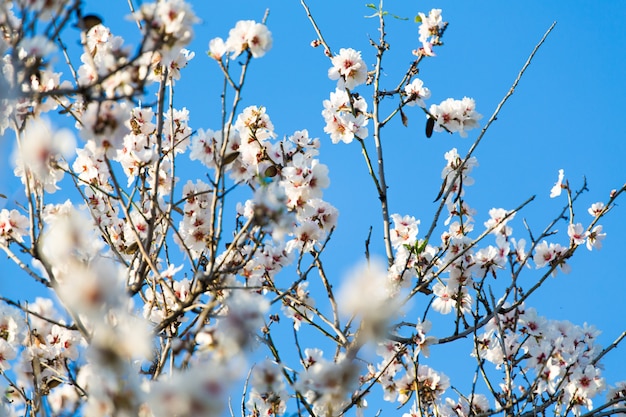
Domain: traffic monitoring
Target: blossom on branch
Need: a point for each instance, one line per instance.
(246, 35)
(416, 93)
(345, 117)
(349, 68)
(455, 116)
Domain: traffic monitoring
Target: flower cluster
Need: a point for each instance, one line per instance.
(401, 378)
(42, 154)
(139, 329)
(247, 35)
(268, 395)
(168, 26)
(455, 115)
(327, 384)
(345, 116)
(558, 354)
(430, 31)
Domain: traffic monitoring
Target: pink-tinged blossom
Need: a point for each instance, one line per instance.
(430, 385)
(595, 238)
(104, 55)
(320, 212)
(176, 131)
(39, 86)
(584, 384)
(476, 404)
(13, 226)
(546, 254)
(423, 342)
(404, 231)
(551, 255)
(520, 251)
(296, 305)
(302, 140)
(617, 393)
(401, 273)
(416, 93)
(169, 26)
(62, 400)
(491, 258)
(498, 221)
(443, 302)
(429, 31)
(455, 115)
(179, 62)
(248, 35)
(448, 297)
(413, 412)
(194, 229)
(342, 124)
(104, 124)
(91, 167)
(555, 191)
(459, 208)
(13, 329)
(269, 208)
(306, 235)
(596, 209)
(576, 233)
(303, 179)
(531, 323)
(453, 166)
(349, 68)
(217, 48)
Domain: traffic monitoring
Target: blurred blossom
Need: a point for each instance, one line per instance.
(43, 152)
(368, 294)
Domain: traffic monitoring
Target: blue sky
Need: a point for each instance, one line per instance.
(567, 113)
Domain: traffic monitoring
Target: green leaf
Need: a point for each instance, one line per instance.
(395, 16)
(421, 246)
(418, 19)
(371, 6)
